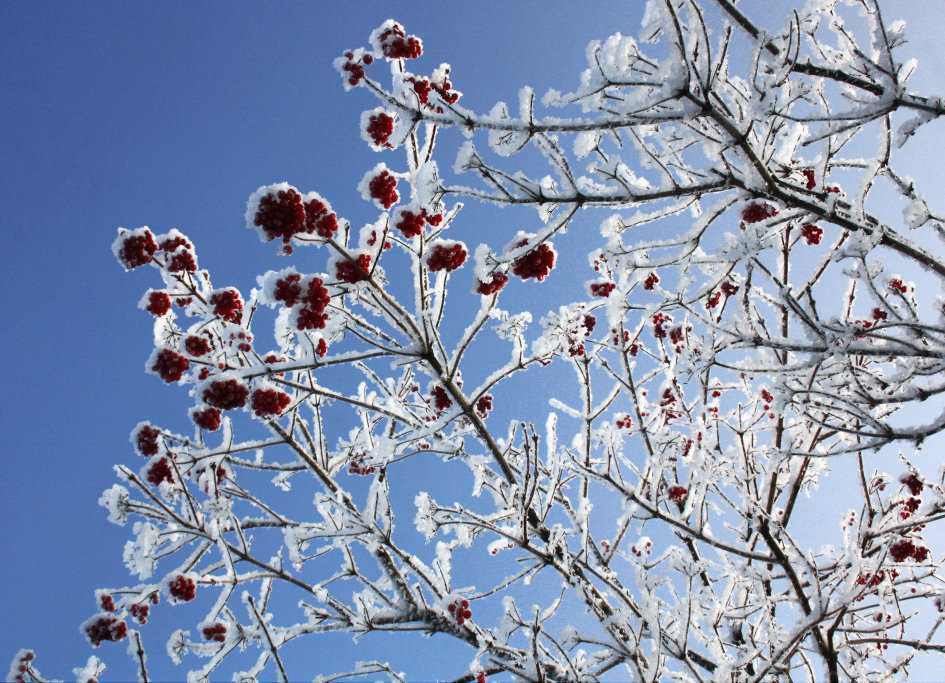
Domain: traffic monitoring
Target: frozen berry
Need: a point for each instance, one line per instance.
(447, 256)
(170, 365)
(226, 394)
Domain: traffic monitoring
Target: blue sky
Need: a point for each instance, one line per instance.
(170, 115)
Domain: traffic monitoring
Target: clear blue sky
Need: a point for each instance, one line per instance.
(170, 114)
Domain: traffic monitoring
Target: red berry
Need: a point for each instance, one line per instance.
(208, 419)
(537, 263)
(104, 628)
(391, 40)
(651, 281)
(270, 402)
(146, 439)
(757, 212)
(812, 233)
(279, 212)
(183, 588)
(602, 289)
(483, 406)
(135, 248)
(160, 471)
(677, 492)
(346, 271)
(159, 303)
(170, 365)
(382, 189)
(197, 346)
(216, 632)
(440, 400)
(319, 217)
(409, 223)
(499, 280)
(379, 128)
(447, 256)
(227, 304)
(226, 394)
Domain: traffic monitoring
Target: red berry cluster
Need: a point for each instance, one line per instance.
(651, 281)
(642, 547)
(316, 298)
(197, 346)
(216, 632)
(180, 255)
(355, 68)
(498, 281)
(757, 212)
(602, 289)
(809, 178)
(208, 418)
(442, 86)
(396, 44)
(146, 439)
(624, 421)
(241, 340)
(359, 467)
(481, 676)
(136, 249)
(23, 667)
(319, 218)
(459, 608)
(713, 300)
(659, 320)
(107, 602)
(140, 612)
(380, 127)
(382, 188)
(159, 303)
(106, 628)
(226, 394)
(440, 400)
(280, 214)
(160, 471)
(270, 402)
(678, 493)
(346, 271)
(904, 549)
(448, 258)
(728, 288)
(812, 233)
(227, 304)
(898, 285)
(483, 406)
(537, 263)
(913, 483)
(411, 223)
(170, 365)
(183, 588)
(576, 347)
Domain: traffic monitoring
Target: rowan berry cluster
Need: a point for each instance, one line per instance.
(677, 493)
(319, 218)
(182, 588)
(391, 40)
(216, 632)
(812, 233)
(159, 303)
(145, 438)
(441, 401)
(904, 549)
(483, 406)
(313, 294)
(651, 281)
(227, 304)
(346, 271)
(352, 67)
(160, 471)
(197, 346)
(170, 365)
(756, 212)
(459, 608)
(536, 263)
(602, 289)
(382, 188)
(106, 628)
(360, 467)
(379, 127)
(447, 256)
(208, 419)
(226, 394)
(269, 402)
(498, 281)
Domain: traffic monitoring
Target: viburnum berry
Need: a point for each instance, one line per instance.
(182, 588)
(277, 211)
(536, 263)
(391, 40)
(440, 399)
(197, 346)
(140, 612)
(107, 602)
(728, 288)
(812, 233)
(459, 608)
(602, 289)
(346, 271)
(498, 281)
(288, 289)
(912, 482)
(713, 300)
(145, 438)
(351, 66)
(134, 248)
(181, 260)
(170, 365)
(319, 218)
(409, 220)
(377, 126)
(208, 419)
(380, 185)
(678, 493)
(216, 632)
(359, 467)
(447, 256)
(226, 394)
(106, 628)
(898, 285)
(809, 178)
(651, 280)
(270, 402)
(227, 304)
(160, 471)
(756, 212)
(483, 406)
(159, 303)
